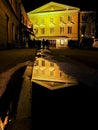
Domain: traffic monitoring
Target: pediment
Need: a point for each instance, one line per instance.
(53, 6)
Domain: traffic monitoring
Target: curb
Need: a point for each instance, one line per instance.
(6, 76)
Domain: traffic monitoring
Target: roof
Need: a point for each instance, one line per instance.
(53, 6)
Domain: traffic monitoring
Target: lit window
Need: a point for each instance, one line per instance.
(51, 73)
(42, 30)
(61, 19)
(51, 20)
(37, 63)
(36, 30)
(60, 74)
(51, 30)
(37, 71)
(61, 30)
(43, 71)
(51, 64)
(69, 30)
(62, 42)
(43, 63)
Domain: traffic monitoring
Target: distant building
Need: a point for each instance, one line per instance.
(87, 23)
(12, 19)
(56, 22)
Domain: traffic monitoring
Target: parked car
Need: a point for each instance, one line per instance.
(95, 43)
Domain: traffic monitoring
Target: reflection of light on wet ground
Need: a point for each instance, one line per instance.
(47, 73)
(61, 108)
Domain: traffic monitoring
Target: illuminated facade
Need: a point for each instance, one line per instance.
(12, 13)
(56, 22)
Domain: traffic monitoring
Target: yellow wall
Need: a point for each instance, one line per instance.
(37, 19)
(12, 21)
(10, 33)
(55, 16)
(58, 13)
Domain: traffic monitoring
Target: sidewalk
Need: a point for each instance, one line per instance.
(6, 76)
(23, 118)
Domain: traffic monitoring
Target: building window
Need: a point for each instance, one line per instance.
(43, 63)
(69, 30)
(61, 30)
(53, 43)
(42, 30)
(62, 42)
(36, 31)
(51, 73)
(51, 20)
(60, 74)
(51, 64)
(84, 18)
(51, 30)
(69, 18)
(37, 71)
(37, 63)
(43, 72)
(61, 19)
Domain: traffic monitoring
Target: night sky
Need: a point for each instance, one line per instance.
(30, 5)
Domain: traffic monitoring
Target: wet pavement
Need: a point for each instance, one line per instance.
(40, 107)
(68, 106)
(62, 106)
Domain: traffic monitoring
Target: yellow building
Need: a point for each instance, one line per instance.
(12, 17)
(56, 22)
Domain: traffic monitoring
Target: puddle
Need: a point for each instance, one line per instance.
(47, 72)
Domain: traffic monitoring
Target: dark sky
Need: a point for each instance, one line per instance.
(30, 5)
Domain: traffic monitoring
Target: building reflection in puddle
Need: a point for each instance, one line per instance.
(47, 73)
